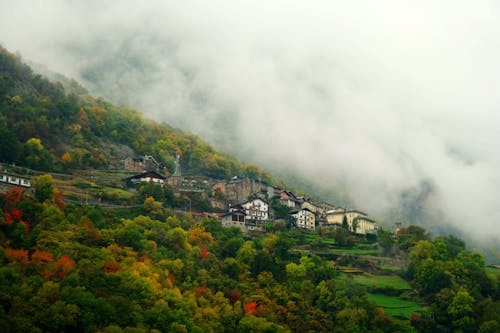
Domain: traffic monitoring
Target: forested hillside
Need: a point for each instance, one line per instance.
(45, 128)
(74, 267)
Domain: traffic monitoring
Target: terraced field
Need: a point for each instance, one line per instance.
(395, 306)
(382, 281)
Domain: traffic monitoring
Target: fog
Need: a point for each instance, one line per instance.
(395, 102)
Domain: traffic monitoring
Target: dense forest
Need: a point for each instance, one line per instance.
(68, 267)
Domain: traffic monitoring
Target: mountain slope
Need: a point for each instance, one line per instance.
(45, 128)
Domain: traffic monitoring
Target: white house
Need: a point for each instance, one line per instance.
(148, 177)
(305, 218)
(15, 180)
(256, 209)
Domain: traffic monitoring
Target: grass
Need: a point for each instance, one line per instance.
(81, 190)
(392, 268)
(350, 270)
(492, 271)
(394, 306)
(382, 281)
(355, 251)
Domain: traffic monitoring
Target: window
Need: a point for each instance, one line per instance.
(234, 218)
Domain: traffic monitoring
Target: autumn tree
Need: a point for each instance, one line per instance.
(43, 187)
(36, 156)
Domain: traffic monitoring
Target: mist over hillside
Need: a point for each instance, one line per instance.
(393, 103)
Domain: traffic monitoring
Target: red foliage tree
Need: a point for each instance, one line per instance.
(251, 307)
(63, 266)
(200, 290)
(17, 215)
(204, 252)
(8, 218)
(111, 267)
(19, 255)
(86, 224)
(13, 196)
(47, 273)
(59, 201)
(39, 257)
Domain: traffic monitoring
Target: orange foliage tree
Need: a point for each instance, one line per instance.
(59, 201)
(13, 196)
(198, 236)
(17, 255)
(64, 265)
(111, 267)
(39, 257)
(251, 307)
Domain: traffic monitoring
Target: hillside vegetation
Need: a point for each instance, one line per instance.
(44, 128)
(67, 266)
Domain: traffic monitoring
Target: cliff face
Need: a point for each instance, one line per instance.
(238, 190)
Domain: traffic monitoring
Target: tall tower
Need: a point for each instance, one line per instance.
(177, 172)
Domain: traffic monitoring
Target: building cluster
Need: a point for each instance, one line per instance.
(152, 172)
(142, 164)
(246, 201)
(253, 214)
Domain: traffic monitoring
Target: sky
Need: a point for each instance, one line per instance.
(389, 100)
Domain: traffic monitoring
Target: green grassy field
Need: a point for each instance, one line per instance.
(394, 306)
(390, 267)
(355, 251)
(492, 271)
(382, 281)
(83, 190)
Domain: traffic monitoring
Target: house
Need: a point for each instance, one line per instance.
(235, 218)
(365, 225)
(238, 218)
(288, 199)
(304, 217)
(357, 222)
(256, 209)
(147, 177)
(334, 218)
(309, 205)
(16, 180)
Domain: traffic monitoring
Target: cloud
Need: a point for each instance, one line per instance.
(381, 97)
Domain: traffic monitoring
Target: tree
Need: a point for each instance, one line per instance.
(35, 155)
(355, 223)
(83, 120)
(407, 237)
(460, 310)
(154, 208)
(345, 224)
(66, 159)
(9, 142)
(43, 187)
(385, 240)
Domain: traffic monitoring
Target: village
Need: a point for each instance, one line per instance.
(249, 204)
